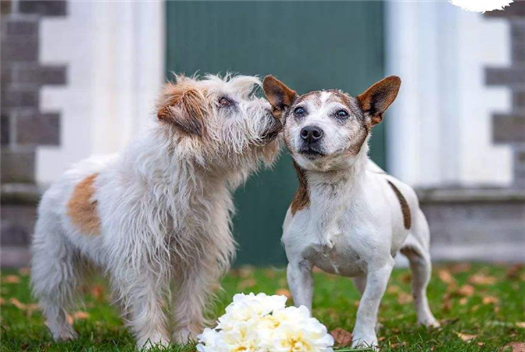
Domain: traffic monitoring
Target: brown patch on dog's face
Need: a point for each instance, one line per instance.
(301, 199)
(82, 208)
(185, 107)
(405, 209)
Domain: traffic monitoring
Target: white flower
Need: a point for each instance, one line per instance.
(262, 323)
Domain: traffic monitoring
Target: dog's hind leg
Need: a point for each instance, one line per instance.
(416, 250)
(56, 269)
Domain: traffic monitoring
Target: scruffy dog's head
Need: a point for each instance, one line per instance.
(327, 130)
(218, 122)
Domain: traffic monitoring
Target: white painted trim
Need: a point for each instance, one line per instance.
(115, 56)
(439, 130)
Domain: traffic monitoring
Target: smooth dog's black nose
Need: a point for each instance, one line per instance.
(311, 134)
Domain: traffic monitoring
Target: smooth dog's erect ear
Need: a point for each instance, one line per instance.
(183, 106)
(277, 93)
(378, 98)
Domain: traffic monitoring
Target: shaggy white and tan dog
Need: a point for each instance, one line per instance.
(156, 218)
(348, 217)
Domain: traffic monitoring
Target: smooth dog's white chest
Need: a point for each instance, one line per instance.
(335, 241)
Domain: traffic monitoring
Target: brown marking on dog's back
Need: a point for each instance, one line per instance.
(407, 218)
(82, 208)
(301, 197)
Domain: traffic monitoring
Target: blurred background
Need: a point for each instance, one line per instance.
(81, 77)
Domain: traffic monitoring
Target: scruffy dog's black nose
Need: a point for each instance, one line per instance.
(311, 134)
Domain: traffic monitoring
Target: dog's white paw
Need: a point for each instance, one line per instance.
(184, 336)
(67, 333)
(155, 340)
(430, 322)
(365, 341)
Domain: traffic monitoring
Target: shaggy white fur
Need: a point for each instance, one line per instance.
(163, 209)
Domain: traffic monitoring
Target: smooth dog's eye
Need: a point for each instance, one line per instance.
(225, 102)
(299, 111)
(341, 114)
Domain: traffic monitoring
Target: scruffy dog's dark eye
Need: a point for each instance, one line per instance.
(225, 102)
(299, 111)
(341, 114)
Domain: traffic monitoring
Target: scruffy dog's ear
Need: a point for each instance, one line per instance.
(277, 93)
(378, 98)
(183, 106)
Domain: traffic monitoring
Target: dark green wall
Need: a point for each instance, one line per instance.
(309, 46)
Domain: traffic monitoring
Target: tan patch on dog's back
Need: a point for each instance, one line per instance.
(82, 208)
(405, 209)
(301, 197)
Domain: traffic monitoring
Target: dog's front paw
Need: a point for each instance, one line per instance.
(185, 335)
(67, 333)
(155, 340)
(365, 341)
(430, 322)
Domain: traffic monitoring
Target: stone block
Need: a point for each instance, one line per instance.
(37, 129)
(40, 75)
(21, 49)
(509, 128)
(43, 7)
(17, 225)
(17, 166)
(513, 77)
(21, 98)
(5, 129)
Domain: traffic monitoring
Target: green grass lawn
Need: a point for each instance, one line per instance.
(481, 308)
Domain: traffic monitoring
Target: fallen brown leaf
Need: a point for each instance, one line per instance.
(480, 279)
(517, 346)
(69, 319)
(283, 292)
(447, 302)
(246, 284)
(17, 303)
(404, 298)
(463, 301)
(341, 337)
(466, 290)
(270, 273)
(11, 279)
(80, 315)
(393, 289)
(466, 337)
(97, 291)
(459, 268)
(490, 300)
(521, 324)
(246, 271)
(446, 277)
(514, 270)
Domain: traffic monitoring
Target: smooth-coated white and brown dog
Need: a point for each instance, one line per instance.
(156, 218)
(348, 217)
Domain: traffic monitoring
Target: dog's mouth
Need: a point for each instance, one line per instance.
(311, 152)
(273, 131)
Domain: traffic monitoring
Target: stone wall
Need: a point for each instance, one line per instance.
(24, 126)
